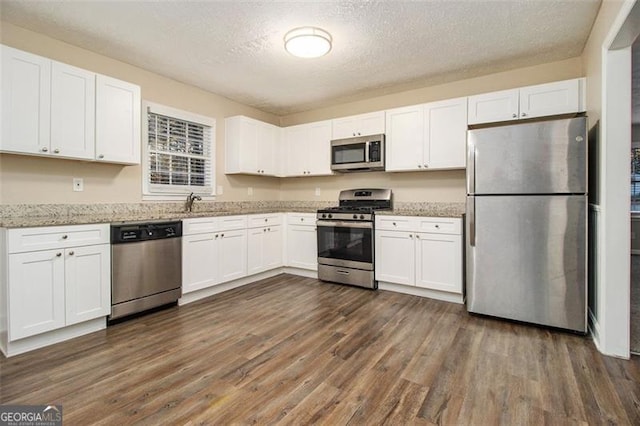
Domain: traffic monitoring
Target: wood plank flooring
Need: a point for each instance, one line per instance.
(292, 350)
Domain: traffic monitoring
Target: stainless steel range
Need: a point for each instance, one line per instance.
(346, 237)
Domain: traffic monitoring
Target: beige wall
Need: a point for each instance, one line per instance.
(26, 179)
(39, 180)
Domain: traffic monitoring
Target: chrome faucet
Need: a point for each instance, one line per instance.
(190, 199)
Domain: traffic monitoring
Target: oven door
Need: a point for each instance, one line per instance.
(344, 243)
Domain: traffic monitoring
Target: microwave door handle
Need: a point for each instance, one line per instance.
(366, 152)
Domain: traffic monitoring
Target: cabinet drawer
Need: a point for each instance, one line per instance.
(200, 225)
(229, 223)
(306, 219)
(258, 220)
(46, 238)
(440, 225)
(396, 223)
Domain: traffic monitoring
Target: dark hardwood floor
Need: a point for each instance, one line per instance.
(292, 350)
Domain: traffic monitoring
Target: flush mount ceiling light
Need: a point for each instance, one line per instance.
(307, 42)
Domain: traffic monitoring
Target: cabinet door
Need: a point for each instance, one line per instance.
(273, 248)
(241, 139)
(199, 261)
(87, 282)
(445, 134)
(561, 97)
(318, 151)
(256, 250)
(344, 127)
(405, 138)
(73, 93)
(302, 247)
(296, 146)
(232, 255)
(26, 102)
(371, 124)
(268, 144)
(36, 291)
(395, 257)
(439, 262)
(495, 106)
(117, 121)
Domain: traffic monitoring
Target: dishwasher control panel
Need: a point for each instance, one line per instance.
(132, 232)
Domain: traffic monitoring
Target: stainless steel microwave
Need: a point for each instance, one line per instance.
(362, 153)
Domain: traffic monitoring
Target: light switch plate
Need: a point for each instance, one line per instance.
(220, 190)
(317, 192)
(78, 184)
(249, 191)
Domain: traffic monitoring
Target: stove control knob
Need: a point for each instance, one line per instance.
(330, 216)
(324, 215)
(355, 216)
(361, 216)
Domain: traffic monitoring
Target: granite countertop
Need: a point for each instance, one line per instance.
(22, 216)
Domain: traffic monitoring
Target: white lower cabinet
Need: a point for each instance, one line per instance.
(430, 260)
(65, 284)
(302, 242)
(264, 249)
(214, 251)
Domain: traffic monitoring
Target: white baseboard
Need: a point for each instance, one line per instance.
(56, 336)
(422, 292)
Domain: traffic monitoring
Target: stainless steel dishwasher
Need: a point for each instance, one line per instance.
(146, 266)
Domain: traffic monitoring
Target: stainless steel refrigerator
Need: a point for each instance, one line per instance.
(526, 222)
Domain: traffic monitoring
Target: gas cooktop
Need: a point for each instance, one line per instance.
(358, 204)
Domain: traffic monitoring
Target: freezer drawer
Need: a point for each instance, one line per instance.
(526, 258)
(543, 157)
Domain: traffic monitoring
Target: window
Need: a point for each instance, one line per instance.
(178, 153)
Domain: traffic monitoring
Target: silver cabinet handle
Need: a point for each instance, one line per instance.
(45, 149)
(514, 115)
(58, 254)
(64, 237)
(71, 253)
(101, 156)
(56, 151)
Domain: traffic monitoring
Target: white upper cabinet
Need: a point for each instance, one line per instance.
(251, 146)
(308, 151)
(117, 121)
(26, 102)
(405, 138)
(358, 125)
(73, 97)
(429, 136)
(561, 97)
(57, 110)
(445, 134)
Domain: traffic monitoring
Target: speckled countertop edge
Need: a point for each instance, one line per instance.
(33, 215)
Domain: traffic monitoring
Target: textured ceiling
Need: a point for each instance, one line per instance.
(235, 49)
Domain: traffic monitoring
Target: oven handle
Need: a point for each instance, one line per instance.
(345, 224)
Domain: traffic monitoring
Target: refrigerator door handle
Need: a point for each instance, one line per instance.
(472, 221)
(471, 164)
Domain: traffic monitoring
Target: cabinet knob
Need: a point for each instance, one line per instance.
(101, 156)
(221, 235)
(269, 229)
(426, 166)
(64, 237)
(419, 166)
(353, 134)
(524, 114)
(417, 236)
(265, 219)
(264, 230)
(358, 133)
(437, 226)
(58, 254)
(302, 219)
(394, 224)
(216, 235)
(71, 253)
(56, 151)
(45, 149)
(410, 236)
(514, 115)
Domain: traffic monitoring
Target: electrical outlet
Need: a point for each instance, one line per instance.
(249, 191)
(78, 184)
(317, 192)
(220, 190)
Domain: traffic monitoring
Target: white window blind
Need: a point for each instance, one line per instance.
(179, 155)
